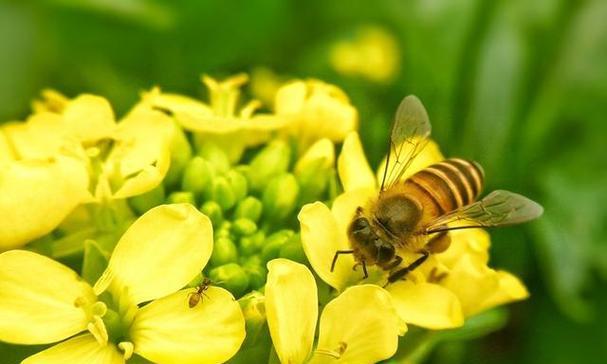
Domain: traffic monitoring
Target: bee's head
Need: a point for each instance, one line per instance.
(367, 243)
(398, 214)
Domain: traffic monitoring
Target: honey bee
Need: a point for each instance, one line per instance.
(196, 297)
(414, 214)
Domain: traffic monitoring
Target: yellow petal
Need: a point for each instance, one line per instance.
(290, 98)
(359, 326)
(142, 151)
(83, 349)
(7, 152)
(345, 205)
(429, 155)
(42, 136)
(169, 331)
(89, 118)
(184, 109)
(473, 283)
(352, 165)
(321, 238)
(322, 150)
(329, 110)
(39, 195)
(291, 309)
(38, 299)
(160, 253)
(426, 305)
(472, 242)
(510, 289)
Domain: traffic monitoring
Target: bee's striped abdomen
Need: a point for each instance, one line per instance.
(451, 183)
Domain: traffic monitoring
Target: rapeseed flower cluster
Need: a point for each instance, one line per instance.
(110, 227)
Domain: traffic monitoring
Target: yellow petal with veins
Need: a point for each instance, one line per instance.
(352, 165)
(321, 238)
(426, 305)
(41, 301)
(39, 195)
(160, 253)
(82, 349)
(168, 331)
(359, 326)
(291, 309)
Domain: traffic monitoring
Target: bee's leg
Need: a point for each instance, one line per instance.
(364, 268)
(337, 253)
(395, 276)
(395, 263)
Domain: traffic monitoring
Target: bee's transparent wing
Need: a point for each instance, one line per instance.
(410, 132)
(498, 208)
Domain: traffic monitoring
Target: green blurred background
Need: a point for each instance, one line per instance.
(518, 85)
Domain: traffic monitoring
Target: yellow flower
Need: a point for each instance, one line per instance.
(220, 121)
(71, 152)
(124, 159)
(359, 326)
(442, 291)
(42, 301)
(315, 110)
(372, 54)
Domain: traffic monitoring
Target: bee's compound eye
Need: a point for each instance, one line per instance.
(359, 224)
(360, 230)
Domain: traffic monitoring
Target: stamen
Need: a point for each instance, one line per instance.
(98, 330)
(127, 348)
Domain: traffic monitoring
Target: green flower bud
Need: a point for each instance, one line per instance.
(257, 344)
(232, 277)
(223, 231)
(197, 176)
(249, 208)
(213, 212)
(253, 307)
(224, 251)
(313, 181)
(223, 194)
(249, 245)
(181, 197)
(274, 243)
(243, 227)
(181, 152)
(214, 154)
(252, 261)
(280, 197)
(293, 250)
(313, 171)
(146, 201)
(238, 182)
(257, 275)
(271, 161)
